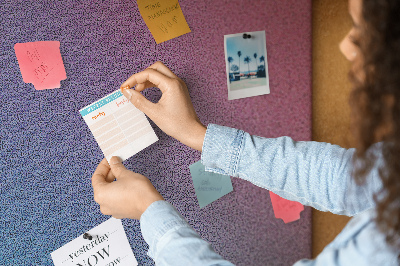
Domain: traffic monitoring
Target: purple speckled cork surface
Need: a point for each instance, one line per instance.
(47, 153)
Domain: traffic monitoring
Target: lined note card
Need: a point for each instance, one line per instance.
(164, 18)
(108, 246)
(41, 64)
(118, 126)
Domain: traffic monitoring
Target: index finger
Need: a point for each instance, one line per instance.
(100, 174)
(159, 80)
(160, 67)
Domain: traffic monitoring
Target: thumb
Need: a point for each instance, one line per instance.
(138, 100)
(117, 167)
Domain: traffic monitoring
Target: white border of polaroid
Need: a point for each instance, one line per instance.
(244, 42)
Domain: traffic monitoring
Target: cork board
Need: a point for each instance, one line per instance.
(47, 153)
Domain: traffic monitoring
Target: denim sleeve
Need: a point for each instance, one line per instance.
(172, 241)
(312, 173)
(360, 243)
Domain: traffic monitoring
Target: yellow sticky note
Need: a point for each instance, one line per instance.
(164, 18)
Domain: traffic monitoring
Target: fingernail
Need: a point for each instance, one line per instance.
(124, 88)
(128, 94)
(115, 160)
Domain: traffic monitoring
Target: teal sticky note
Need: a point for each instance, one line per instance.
(209, 186)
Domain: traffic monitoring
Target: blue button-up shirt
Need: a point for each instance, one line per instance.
(312, 173)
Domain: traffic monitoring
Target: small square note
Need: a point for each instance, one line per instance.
(41, 64)
(209, 186)
(164, 18)
(118, 126)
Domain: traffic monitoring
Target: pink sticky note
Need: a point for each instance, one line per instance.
(286, 210)
(41, 64)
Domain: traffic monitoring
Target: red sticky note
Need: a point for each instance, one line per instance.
(41, 64)
(286, 210)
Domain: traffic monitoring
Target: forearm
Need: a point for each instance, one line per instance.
(173, 241)
(312, 173)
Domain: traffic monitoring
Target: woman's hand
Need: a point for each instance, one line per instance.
(174, 112)
(128, 197)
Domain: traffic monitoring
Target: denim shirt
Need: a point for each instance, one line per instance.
(312, 173)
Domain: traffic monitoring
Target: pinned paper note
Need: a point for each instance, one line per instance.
(41, 64)
(209, 186)
(108, 246)
(288, 211)
(164, 18)
(118, 126)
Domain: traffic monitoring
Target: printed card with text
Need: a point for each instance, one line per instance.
(108, 246)
(118, 126)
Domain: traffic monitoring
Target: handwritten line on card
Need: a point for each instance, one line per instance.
(41, 64)
(209, 186)
(118, 126)
(288, 211)
(109, 246)
(164, 18)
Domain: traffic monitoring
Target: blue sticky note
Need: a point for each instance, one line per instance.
(209, 186)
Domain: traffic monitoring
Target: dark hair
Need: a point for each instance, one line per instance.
(375, 102)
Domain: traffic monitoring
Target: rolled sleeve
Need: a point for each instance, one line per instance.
(221, 149)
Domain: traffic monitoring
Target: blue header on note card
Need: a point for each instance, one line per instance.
(100, 103)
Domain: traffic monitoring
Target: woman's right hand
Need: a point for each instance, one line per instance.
(173, 113)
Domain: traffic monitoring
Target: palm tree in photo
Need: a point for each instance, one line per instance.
(239, 55)
(255, 59)
(230, 60)
(247, 60)
(262, 59)
(262, 73)
(234, 68)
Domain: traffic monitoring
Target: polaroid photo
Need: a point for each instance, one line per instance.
(246, 64)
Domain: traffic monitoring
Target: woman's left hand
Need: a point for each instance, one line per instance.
(127, 197)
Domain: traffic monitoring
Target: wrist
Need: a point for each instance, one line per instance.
(148, 203)
(196, 136)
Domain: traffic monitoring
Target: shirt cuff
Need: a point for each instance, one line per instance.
(221, 149)
(158, 219)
